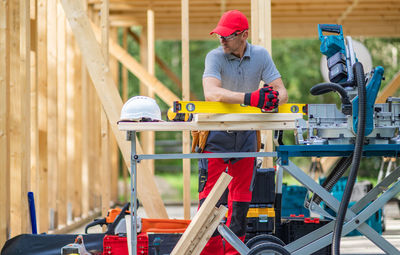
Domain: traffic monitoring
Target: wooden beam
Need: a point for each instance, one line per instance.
(148, 138)
(111, 100)
(124, 70)
(34, 103)
(77, 132)
(205, 233)
(261, 35)
(114, 158)
(139, 71)
(347, 12)
(389, 90)
(95, 191)
(4, 122)
(19, 114)
(328, 162)
(70, 117)
(125, 91)
(186, 97)
(105, 148)
(52, 109)
(192, 235)
(24, 83)
(181, 126)
(42, 182)
(61, 207)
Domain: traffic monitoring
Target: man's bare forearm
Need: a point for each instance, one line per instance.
(226, 96)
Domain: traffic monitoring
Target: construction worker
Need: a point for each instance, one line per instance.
(232, 74)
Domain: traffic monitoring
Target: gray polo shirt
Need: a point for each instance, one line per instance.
(241, 75)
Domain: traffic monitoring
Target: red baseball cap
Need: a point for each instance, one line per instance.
(230, 22)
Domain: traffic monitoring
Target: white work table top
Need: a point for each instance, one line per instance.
(255, 121)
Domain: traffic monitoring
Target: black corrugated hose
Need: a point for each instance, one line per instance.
(323, 88)
(334, 176)
(337, 231)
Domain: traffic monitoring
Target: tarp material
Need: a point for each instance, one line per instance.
(43, 244)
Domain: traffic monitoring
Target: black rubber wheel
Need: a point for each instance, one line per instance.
(268, 248)
(264, 238)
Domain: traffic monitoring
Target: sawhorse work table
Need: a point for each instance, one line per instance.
(355, 217)
(232, 122)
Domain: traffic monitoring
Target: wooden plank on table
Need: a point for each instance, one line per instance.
(389, 89)
(61, 206)
(42, 182)
(200, 219)
(185, 96)
(52, 109)
(180, 126)
(247, 117)
(4, 122)
(111, 100)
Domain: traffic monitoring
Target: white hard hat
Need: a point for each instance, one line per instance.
(140, 108)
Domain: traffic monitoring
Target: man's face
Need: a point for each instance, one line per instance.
(232, 44)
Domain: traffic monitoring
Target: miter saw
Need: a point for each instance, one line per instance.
(359, 122)
(329, 125)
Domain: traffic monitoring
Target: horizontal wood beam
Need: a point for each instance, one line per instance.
(136, 14)
(182, 126)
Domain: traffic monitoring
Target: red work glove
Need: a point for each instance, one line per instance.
(265, 98)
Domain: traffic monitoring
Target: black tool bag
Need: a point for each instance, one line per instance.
(43, 244)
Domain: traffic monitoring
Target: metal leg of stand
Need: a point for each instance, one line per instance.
(279, 179)
(132, 138)
(232, 239)
(351, 217)
(358, 222)
(324, 230)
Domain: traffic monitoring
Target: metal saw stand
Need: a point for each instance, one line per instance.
(358, 213)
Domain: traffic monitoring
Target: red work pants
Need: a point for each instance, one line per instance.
(239, 197)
